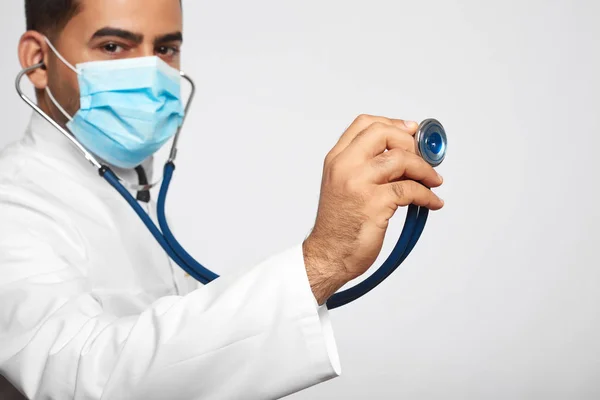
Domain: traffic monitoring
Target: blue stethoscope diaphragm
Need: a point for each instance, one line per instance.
(431, 141)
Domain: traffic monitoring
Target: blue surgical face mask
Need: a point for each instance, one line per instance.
(129, 108)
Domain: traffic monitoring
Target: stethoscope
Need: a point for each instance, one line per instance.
(431, 144)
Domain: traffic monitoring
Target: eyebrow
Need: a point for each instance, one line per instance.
(169, 37)
(137, 37)
(121, 33)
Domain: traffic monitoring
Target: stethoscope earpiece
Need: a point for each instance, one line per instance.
(431, 141)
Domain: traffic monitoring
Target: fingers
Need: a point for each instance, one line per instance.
(362, 122)
(404, 193)
(399, 163)
(400, 175)
(375, 139)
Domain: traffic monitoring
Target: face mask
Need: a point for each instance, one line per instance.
(129, 108)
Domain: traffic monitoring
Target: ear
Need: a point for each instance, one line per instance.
(33, 50)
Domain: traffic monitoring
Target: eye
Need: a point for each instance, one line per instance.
(112, 48)
(168, 51)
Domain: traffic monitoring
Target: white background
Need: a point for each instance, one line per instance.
(500, 299)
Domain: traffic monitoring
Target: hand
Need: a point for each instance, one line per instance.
(363, 185)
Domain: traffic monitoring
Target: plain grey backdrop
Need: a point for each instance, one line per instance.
(500, 299)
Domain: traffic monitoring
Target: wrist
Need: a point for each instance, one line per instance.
(324, 273)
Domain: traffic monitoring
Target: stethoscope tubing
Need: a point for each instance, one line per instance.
(416, 218)
(112, 179)
(207, 274)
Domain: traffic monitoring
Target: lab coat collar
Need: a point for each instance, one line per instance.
(55, 147)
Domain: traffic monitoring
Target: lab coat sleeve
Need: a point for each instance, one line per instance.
(258, 334)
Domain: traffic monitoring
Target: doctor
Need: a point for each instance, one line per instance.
(90, 305)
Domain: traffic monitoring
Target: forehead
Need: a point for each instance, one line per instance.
(148, 17)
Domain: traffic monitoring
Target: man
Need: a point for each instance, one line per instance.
(91, 307)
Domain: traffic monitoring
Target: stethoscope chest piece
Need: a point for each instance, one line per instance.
(431, 141)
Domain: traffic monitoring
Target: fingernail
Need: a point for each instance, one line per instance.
(410, 124)
(441, 178)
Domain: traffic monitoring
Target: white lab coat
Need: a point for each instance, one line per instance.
(91, 307)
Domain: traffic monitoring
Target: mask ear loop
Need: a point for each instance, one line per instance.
(57, 104)
(60, 57)
(88, 156)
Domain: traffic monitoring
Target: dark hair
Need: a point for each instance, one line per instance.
(49, 16)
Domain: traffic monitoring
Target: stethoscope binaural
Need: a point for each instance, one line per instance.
(431, 144)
